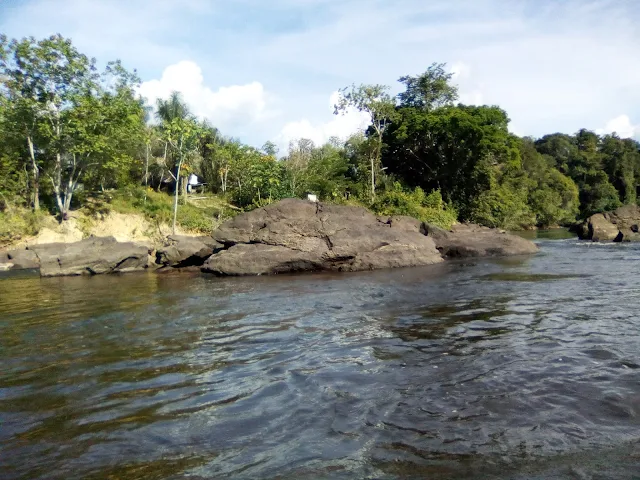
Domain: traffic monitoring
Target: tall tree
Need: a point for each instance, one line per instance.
(376, 102)
(430, 90)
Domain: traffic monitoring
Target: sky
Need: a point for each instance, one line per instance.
(270, 69)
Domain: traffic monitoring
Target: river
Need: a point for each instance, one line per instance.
(520, 368)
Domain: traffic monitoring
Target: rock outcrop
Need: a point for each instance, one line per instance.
(182, 251)
(297, 235)
(467, 240)
(289, 236)
(91, 256)
(620, 225)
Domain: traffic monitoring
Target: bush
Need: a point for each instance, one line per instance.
(18, 223)
(428, 208)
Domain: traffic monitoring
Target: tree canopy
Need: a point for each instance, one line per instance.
(66, 128)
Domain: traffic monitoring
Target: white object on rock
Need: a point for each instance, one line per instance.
(312, 198)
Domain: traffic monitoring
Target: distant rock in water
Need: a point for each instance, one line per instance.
(296, 235)
(621, 225)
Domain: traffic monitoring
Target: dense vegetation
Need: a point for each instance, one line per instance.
(68, 131)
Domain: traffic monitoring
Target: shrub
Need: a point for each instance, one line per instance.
(428, 208)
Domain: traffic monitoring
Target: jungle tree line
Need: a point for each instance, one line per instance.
(66, 127)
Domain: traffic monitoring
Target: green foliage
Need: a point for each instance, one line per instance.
(430, 90)
(158, 207)
(415, 203)
(68, 131)
(19, 223)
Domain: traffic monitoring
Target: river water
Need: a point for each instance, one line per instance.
(515, 368)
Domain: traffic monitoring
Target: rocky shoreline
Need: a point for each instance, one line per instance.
(620, 225)
(289, 236)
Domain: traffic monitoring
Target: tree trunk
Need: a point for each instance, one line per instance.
(175, 200)
(373, 180)
(146, 173)
(36, 175)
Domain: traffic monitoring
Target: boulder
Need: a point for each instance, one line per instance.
(467, 240)
(297, 235)
(91, 256)
(180, 251)
(620, 225)
(600, 229)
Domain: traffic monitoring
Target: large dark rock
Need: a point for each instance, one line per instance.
(94, 255)
(182, 251)
(620, 225)
(465, 240)
(297, 235)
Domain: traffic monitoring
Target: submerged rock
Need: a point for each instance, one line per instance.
(296, 235)
(91, 256)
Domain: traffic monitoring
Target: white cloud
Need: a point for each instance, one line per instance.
(341, 126)
(553, 66)
(460, 70)
(622, 126)
(226, 107)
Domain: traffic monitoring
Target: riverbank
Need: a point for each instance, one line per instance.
(288, 236)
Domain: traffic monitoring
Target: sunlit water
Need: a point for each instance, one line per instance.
(516, 368)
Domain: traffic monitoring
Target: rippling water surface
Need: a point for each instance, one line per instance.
(516, 368)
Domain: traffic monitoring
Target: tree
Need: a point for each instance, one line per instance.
(182, 134)
(430, 90)
(376, 102)
(41, 79)
(458, 150)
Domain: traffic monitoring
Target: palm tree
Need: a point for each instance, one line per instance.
(172, 108)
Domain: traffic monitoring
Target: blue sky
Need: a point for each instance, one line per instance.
(269, 69)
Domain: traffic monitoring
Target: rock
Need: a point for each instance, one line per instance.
(620, 225)
(466, 240)
(258, 259)
(601, 229)
(404, 222)
(182, 251)
(23, 259)
(295, 235)
(94, 255)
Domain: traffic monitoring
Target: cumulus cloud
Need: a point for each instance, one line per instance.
(225, 107)
(341, 126)
(553, 66)
(622, 126)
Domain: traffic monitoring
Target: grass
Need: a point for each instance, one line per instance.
(201, 214)
(18, 223)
